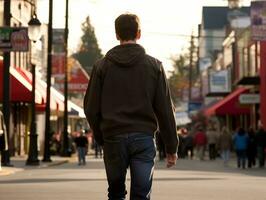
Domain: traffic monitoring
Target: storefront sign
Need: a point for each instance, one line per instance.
(14, 39)
(258, 20)
(249, 98)
(220, 81)
(77, 78)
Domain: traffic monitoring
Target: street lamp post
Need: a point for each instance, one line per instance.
(5, 159)
(65, 151)
(46, 155)
(34, 35)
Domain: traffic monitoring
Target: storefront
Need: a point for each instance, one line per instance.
(20, 119)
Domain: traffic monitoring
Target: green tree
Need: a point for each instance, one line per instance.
(89, 50)
(178, 80)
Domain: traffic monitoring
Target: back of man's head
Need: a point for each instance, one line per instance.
(127, 27)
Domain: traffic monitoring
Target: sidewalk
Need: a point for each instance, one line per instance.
(19, 164)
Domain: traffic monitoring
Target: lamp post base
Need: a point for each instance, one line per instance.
(5, 159)
(33, 162)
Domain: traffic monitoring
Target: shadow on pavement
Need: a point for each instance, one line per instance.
(214, 166)
(44, 180)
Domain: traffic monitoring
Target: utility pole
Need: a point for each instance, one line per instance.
(65, 151)
(47, 156)
(6, 87)
(198, 64)
(190, 67)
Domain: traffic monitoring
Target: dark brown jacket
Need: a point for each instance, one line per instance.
(128, 92)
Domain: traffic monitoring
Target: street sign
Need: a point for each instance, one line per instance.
(14, 39)
(249, 98)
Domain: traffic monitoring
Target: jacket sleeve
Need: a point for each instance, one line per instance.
(164, 111)
(92, 104)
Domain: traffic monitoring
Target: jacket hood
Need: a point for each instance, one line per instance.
(126, 55)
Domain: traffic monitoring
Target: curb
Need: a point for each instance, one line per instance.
(9, 171)
(53, 164)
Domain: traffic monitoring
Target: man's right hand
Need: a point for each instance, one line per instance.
(171, 159)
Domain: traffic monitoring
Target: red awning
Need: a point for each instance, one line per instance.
(229, 105)
(56, 101)
(21, 91)
(20, 87)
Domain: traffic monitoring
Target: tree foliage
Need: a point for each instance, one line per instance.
(89, 50)
(178, 80)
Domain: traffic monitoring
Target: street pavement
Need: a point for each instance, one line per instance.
(188, 180)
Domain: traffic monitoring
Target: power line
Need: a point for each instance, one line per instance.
(185, 35)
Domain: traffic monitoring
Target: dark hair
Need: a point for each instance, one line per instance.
(127, 26)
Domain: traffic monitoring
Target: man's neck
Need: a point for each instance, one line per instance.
(128, 42)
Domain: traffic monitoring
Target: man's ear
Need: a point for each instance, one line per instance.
(138, 34)
(117, 37)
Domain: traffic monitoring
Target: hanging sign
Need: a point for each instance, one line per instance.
(14, 39)
(258, 20)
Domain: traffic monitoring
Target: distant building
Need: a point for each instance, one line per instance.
(214, 28)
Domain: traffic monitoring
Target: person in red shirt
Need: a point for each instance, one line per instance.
(200, 142)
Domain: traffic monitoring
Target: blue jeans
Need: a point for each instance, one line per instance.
(81, 154)
(241, 158)
(136, 151)
(225, 156)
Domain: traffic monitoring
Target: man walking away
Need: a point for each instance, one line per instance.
(127, 97)
(82, 147)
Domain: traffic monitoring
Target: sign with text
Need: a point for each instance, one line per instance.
(249, 98)
(258, 20)
(220, 81)
(14, 39)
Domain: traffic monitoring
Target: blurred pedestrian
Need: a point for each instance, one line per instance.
(181, 146)
(90, 138)
(3, 141)
(252, 148)
(127, 98)
(187, 144)
(98, 151)
(240, 140)
(261, 144)
(82, 146)
(225, 144)
(200, 142)
(212, 138)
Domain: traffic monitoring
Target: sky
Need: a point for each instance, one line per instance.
(165, 24)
